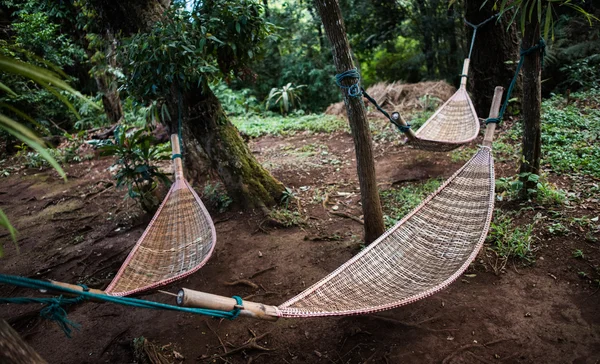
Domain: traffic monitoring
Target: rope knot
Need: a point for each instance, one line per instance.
(237, 308)
(353, 90)
(54, 312)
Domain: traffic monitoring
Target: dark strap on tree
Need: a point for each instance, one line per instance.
(541, 47)
(355, 90)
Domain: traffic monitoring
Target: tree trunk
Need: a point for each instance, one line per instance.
(13, 350)
(334, 28)
(494, 45)
(107, 83)
(246, 181)
(531, 106)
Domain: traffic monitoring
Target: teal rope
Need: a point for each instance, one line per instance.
(126, 301)
(475, 27)
(355, 90)
(53, 310)
(541, 47)
(175, 156)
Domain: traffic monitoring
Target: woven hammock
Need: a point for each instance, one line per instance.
(455, 123)
(177, 242)
(426, 251)
(422, 254)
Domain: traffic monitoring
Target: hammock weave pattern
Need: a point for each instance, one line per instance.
(454, 124)
(177, 242)
(422, 254)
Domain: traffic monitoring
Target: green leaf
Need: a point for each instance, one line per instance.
(27, 136)
(4, 222)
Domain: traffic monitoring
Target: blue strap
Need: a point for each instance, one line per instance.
(58, 314)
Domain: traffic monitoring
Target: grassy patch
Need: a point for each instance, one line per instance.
(545, 194)
(397, 202)
(286, 217)
(571, 134)
(256, 126)
(510, 241)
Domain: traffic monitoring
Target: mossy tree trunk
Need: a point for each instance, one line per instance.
(531, 105)
(107, 83)
(335, 30)
(246, 181)
(495, 44)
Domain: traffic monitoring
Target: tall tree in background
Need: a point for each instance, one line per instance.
(170, 56)
(334, 28)
(534, 15)
(495, 44)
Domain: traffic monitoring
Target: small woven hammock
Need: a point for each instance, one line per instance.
(422, 254)
(177, 242)
(455, 123)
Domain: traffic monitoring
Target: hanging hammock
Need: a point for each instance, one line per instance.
(177, 242)
(422, 254)
(455, 123)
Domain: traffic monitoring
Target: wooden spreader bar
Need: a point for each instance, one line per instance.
(190, 298)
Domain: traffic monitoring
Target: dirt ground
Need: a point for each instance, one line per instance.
(81, 230)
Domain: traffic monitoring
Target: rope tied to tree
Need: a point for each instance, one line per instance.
(355, 90)
(475, 27)
(541, 47)
(55, 311)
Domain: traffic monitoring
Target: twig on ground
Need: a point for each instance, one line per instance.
(348, 216)
(262, 271)
(469, 346)
(244, 282)
(112, 341)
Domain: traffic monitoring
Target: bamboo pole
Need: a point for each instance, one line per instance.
(73, 287)
(177, 165)
(410, 134)
(494, 109)
(190, 298)
(465, 73)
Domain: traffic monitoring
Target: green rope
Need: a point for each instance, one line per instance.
(541, 47)
(57, 313)
(175, 156)
(475, 27)
(355, 90)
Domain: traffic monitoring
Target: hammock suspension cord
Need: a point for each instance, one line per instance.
(475, 27)
(539, 47)
(55, 312)
(355, 90)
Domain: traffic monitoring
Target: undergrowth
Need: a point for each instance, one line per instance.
(397, 202)
(256, 126)
(510, 241)
(571, 133)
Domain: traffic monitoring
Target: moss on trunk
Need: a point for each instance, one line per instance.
(246, 181)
